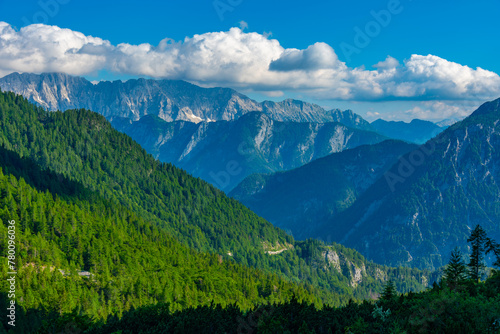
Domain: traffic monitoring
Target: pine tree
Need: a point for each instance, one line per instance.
(494, 247)
(478, 241)
(389, 292)
(304, 329)
(456, 270)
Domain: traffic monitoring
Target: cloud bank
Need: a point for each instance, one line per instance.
(245, 60)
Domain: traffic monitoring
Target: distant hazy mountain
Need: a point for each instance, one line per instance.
(417, 131)
(429, 201)
(448, 122)
(300, 199)
(171, 100)
(291, 110)
(224, 153)
(298, 111)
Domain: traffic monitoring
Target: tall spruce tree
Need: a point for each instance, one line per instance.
(456, 271)
(494, 247)
(478, 241)
(389, 292)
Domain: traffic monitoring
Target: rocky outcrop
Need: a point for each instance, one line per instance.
(345, 266)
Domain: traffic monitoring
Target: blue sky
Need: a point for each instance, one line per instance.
(454, 32)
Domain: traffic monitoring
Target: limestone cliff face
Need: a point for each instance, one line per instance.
(168, 99)
(345, 266)
(254, 143)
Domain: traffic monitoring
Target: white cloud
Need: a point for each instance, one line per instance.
(315, 57)
(388, 64)
(274, 93)
(438, 110)
(372, 114)
(229, 58)
(434, 77)
(426, 110)
(248, 61)
(41, 48)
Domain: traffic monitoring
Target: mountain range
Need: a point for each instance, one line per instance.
(104, 227)
(398, 204)
(217, 134)
(225, 152)
(171, 100)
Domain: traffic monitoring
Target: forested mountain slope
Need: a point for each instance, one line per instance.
(78, 252)
(301, 199)
(428, 202)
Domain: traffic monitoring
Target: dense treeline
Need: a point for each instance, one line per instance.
(56, 230)
(82, 145)
(98, 259)
(460, 303)
(438, 310)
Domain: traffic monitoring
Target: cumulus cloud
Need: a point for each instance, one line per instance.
(245, 60)
(41, 48)
(435, 76)
(233, 58)
(315, 57)
(438, 110)
(388, 64)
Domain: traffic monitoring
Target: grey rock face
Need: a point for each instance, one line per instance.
(167, 99)
(224, 153)
(350, 119)
(171, 100)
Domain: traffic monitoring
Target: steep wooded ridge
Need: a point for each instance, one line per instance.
(428, 202)
(301, 199)
(171, 100)
(224, 153)
(77, 251)
(96, 187)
